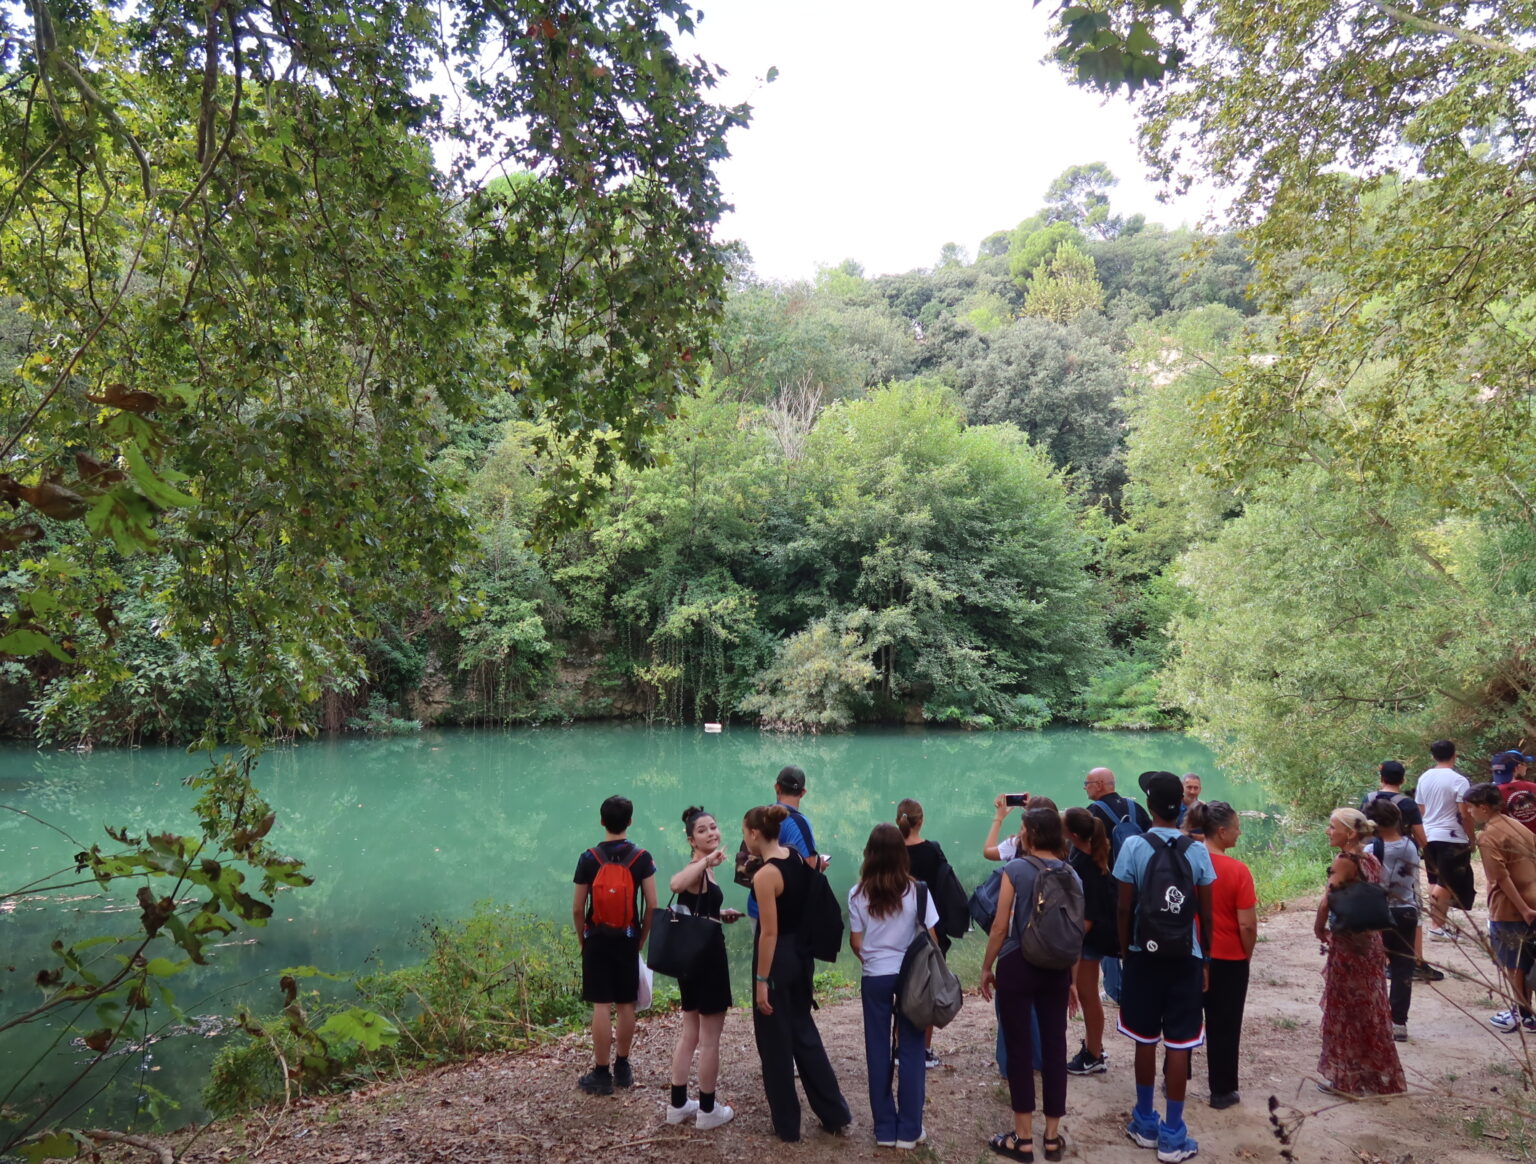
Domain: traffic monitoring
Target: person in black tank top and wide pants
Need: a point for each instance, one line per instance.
(786, 1033)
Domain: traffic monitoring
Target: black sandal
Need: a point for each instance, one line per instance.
(1052, 1146)
(1008, 1144)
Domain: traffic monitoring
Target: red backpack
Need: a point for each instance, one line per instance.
(612, 906)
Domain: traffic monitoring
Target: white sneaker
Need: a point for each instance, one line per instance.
(676, 1115)
(1400, 1032)
(1446, 935)
(1505, 1020)
(922, 1137)
(724, 1113)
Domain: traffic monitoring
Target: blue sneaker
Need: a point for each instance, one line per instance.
(1175, 1146)
(1142, 1130)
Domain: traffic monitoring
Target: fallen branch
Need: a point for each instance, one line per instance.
(104, 1137)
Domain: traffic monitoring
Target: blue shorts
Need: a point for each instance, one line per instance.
(1162, 1000)
(1514, 945)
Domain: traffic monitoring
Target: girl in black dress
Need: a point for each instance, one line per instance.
(787, 1038)
(926, 857)
(706, 993)
(1090, 859)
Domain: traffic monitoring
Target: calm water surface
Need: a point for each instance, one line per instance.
(400, 831)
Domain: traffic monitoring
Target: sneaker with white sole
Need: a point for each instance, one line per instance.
(1506, 1020)
(922, 1138)
(1143, 1132)
(1175, 1146)
(931, 1060)
(722, 1113)
(1528, 1024)
(1400, 1032)
(676, 1115)
(1085, 1062)
(1444, 935)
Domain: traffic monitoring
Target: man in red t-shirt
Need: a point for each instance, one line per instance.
(1518, 793)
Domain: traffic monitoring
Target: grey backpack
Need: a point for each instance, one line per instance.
(1051, 936)
(927, 991)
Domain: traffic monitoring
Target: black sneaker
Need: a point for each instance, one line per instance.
(623, 1073)
(1225, 1099)
(1087, 1063)
(594, 1083)
(1424, 972)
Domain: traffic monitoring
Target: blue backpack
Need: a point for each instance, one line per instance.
(1126, 826)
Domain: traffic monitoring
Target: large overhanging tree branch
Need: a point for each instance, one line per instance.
(258, 272)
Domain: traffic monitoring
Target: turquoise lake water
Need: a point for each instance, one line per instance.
(400, 831)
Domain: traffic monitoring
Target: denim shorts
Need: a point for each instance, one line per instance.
(1514, 945)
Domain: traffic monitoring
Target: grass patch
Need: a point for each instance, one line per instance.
(1285, 862)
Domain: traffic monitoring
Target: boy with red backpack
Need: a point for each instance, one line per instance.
(611, 930)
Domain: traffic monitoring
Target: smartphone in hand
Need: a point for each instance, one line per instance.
(1016, 799)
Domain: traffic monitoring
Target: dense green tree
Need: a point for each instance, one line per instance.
(1065, 287)
(1056, 384)
(962, 543)
(1079, 196)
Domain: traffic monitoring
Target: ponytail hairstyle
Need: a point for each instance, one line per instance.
(766, 819)
(1197, 819)
(1218, 814)
(909, 816)
(886, 872)
(1088, 828)
(1354, 820)
(1042, 830)
(1384, 814)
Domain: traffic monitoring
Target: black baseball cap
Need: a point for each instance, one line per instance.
(1164, 793)
(791, 779)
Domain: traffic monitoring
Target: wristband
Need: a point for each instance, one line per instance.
(760, 978)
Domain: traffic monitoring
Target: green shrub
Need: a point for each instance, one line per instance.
(378, 720)
(494, 980)
(1128, 694)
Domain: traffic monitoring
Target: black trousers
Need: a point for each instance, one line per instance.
(1400, 961)
(788, 1039)
(1224, 1003)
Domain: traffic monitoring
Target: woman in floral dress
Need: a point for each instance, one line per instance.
(1358, 1055)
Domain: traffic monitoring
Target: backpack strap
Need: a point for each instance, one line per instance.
(633, 857)
(1119, 816)
(922, 906)
(805, 830)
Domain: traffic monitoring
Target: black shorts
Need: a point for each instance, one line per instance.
(1162, 1000)
(610, 969)
(1449, 863)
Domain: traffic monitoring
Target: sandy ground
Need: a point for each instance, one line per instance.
(526, 1107)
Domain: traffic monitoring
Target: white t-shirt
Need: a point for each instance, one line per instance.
(1439, 794)
(886, 938)
(1008, 848)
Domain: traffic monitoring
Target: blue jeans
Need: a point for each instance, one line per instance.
(899, 1117)
(1109, 968)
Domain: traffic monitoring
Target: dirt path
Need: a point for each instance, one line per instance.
(526, 1107)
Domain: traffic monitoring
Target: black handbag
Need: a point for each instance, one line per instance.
(680, 940)
(1358, 908)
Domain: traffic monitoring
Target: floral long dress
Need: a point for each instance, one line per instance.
(1358, 1055)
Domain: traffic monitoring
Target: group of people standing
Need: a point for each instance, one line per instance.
(1166, 916)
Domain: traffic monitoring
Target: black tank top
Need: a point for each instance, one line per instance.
(706, 903)
(797, 878)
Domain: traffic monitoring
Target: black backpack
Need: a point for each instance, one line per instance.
(821, 927)
(1165, 901)
(950, 900)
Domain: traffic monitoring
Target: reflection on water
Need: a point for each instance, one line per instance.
(399, 831)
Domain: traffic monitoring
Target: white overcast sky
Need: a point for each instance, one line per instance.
(895, 127)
